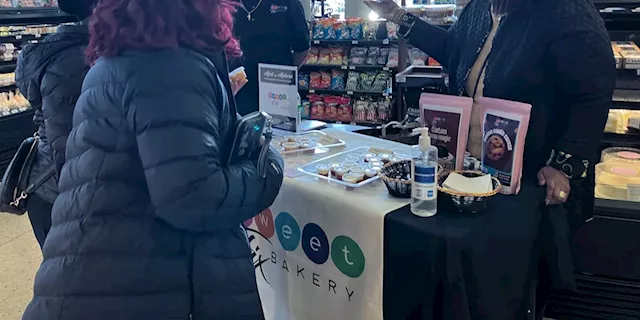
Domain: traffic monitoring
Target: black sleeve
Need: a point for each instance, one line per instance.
(298, 27)
(61, 85)
(585, 80)
(180, 144)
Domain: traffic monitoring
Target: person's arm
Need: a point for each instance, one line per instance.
(298, 33)
(180, 144)
(61, 84)
(585, 79)
(435, 41)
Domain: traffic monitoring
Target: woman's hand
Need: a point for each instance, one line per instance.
(237, 85)
(383, 8)
(558, 187)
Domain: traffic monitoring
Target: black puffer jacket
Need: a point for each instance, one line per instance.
(553, 54)
(148, 221)
(50, 75)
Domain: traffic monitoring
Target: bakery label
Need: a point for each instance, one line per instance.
(443, 130)
(278, 90)
(499, 140)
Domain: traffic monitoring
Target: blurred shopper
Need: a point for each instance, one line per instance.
(50, 74)
(270, 31)
(148, 221)
(553, 54)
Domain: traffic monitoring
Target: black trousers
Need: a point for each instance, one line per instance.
(39, 212)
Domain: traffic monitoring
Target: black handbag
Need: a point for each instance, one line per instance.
(15, 187)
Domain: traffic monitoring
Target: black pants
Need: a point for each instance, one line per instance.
(39, 212)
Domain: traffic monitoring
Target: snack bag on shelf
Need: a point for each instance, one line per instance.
(344, 110)
(357, 56)
(392, 31)
(356, 26)
(315, 80)
(337, 80)
(432, 62)
(325, 82)
(380, 82)
(331, 107)
(324, 57)
(305, 109)
(447, 118)
(335, 56)
(370, 30)
(384, 110)
(353, 80)
(371, 111)
(418, 58)
(318, 30)
(317, 107)
(394, 58)
(382, 58)
(372, 56)
(343, 32)
(505, 125)
(330, 33)
(366, 80)
(303, 80)
(312, 57)
(360, 110)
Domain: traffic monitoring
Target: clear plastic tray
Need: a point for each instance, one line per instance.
(316, 140)
(356, 155)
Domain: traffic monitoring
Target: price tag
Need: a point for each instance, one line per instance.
(385, 69)
(14, 111)
(385, 41)
(633, 192)
(352, 67)
(316, 41)
(37, 35)
(354, 42)
(312, 91)
(349, 92)
(344, 67)
(18, 37)
(401, 79)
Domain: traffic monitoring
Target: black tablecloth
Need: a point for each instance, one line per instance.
(454, 266)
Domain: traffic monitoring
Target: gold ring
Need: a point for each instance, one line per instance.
(562, 195)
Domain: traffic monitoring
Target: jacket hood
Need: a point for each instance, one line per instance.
(35, 58)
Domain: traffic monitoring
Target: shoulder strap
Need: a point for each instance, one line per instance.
(40, 180)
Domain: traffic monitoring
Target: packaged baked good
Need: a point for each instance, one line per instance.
(447, 118)
(618, 181)
(505, 125)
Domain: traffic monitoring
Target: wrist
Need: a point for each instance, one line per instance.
(571, 166)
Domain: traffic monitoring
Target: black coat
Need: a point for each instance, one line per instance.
(148, 221)
(553, 54)
(50, 74)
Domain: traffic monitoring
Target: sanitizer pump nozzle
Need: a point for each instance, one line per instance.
(425, 139)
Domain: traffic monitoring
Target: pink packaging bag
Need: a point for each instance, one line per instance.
(505, 124)
(447, 118)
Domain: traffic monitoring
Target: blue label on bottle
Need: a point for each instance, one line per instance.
(425, 174)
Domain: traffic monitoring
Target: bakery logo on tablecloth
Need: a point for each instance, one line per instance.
(345, 253)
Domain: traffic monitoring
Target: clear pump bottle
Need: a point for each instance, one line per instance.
(424, 177)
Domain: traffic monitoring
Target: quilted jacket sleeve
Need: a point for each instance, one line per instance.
(585, 80)
(177, 121)
(61, 85)
(435, 41)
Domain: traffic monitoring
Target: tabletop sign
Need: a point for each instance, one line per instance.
(278, 87)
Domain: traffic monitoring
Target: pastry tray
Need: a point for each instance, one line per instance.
(314, 136)
(349, 155)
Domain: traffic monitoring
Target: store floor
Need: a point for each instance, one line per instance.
(19, 260)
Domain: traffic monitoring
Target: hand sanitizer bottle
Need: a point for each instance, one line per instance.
(424, 177)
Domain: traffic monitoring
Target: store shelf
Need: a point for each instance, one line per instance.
(347, 92)
(630, 138)
(617, 209)
(7, 88)
(354, 68)
(422, 77)
(12, 16)
(354, 42)
(626, 99)
(21, 38)
(7, 67)
(6, 114)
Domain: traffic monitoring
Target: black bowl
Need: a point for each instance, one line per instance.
(466, 203)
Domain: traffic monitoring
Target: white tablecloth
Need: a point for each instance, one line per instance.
(319, 250)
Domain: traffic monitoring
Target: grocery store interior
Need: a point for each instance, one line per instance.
(372, 81)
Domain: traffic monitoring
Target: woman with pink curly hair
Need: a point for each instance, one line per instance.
(148, 221)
